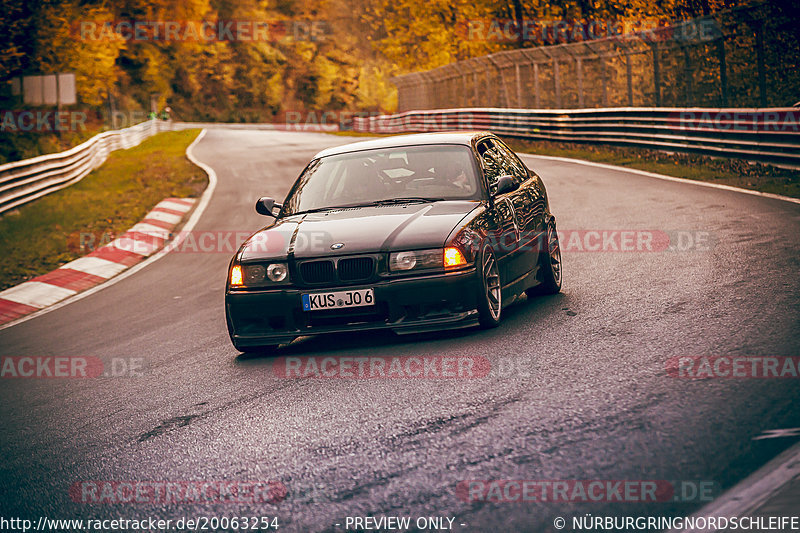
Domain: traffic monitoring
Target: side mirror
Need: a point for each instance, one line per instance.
(265, 205)
(506, 184)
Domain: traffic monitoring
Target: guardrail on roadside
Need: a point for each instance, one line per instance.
(28, 179)
(769, 135)
(309, 126)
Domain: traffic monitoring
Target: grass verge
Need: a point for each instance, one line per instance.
(733, 172)
(44, 234)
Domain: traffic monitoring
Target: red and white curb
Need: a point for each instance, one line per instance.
(139, 242)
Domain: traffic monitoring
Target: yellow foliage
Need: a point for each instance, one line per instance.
(349, 67)
(92, 60)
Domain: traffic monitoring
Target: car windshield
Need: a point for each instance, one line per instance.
(384, 176)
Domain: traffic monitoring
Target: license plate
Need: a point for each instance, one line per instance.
(338, 300)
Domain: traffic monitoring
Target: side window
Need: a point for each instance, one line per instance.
(514, 166)
(492, 165)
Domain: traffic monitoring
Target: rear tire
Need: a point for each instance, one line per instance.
(490, 301)
(549, 265)
(256, 351)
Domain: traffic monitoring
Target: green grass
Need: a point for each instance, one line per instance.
(733, 172)
(44, 234)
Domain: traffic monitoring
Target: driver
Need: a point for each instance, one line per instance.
(363, 184)
(455, 173)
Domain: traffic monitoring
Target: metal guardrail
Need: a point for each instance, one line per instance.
(767, 135)
(26, 180)
(261, 126)
(29, 179)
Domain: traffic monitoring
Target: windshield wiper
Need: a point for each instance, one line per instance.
(320, 209)
(406, 200)
(386, 201)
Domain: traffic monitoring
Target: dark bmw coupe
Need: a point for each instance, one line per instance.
(409, 233)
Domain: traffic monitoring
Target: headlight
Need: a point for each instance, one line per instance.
(255, 275)
(416, 260)
(403, 261)
(277, 272)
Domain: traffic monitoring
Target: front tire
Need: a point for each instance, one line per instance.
(549, 265)
(490, 301)
(249, 351)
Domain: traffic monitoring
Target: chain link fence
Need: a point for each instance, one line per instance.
(744, 57)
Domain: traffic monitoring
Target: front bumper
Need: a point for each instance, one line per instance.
(405, 305)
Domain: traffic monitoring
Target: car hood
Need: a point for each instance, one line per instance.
(359, 230)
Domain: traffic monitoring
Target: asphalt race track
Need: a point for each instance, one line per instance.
(579, 388)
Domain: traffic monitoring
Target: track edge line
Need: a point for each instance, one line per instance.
(668, 178)
(750, 493)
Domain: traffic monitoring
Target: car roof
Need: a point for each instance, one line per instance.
(415, 139)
